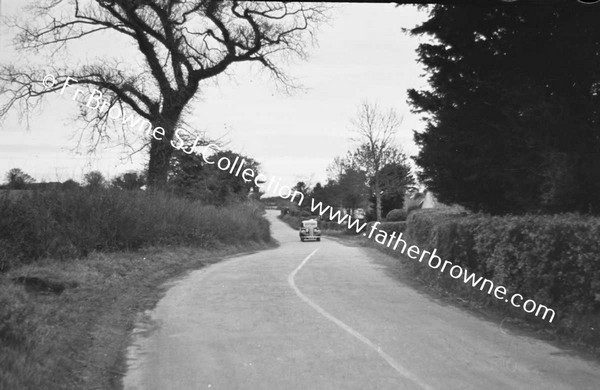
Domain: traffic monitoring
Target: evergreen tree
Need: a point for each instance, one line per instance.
(512, 108)
(396, 179)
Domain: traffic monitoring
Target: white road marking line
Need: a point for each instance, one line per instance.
(394, 364)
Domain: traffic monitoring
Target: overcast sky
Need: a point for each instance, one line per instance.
(362, 54)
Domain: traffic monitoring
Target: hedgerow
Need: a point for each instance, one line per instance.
(390, 227)
(396, 215)
(552, 259)
(70, 224)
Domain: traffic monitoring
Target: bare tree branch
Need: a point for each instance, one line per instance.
(182, 43)
(376, 131)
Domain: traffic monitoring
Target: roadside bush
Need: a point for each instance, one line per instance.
(396, 215)
(390, 227)
(331, 225)
(553, 259)
(68, 224)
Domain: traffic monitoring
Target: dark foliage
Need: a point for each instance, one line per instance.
(69, 224)
(129, 181)
(70, 185)
(395, 179)
(513, 107)
(396, 215)
(17, 179)
(94, 180)
(552, 259)
(193, 178)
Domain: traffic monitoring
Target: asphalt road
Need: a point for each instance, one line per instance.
(324, 315)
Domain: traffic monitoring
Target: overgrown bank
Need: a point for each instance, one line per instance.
(71, 224)
(64, 316)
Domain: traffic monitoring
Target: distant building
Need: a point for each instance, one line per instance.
(413, 199)
(430, 201)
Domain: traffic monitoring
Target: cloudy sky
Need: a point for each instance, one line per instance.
(362, 54)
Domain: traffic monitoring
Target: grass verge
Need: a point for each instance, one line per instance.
(65, 324)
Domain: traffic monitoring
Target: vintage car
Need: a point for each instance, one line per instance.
(309, 230)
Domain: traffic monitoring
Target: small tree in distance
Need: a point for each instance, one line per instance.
(17, 179)
(129, 181)
(70, 185)
(395, 179)
(181, 44)
(191, 177)
(94, 180)
(376, 131)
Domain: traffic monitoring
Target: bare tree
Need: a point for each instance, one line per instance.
(340, 165)
(182, 43)
(337, 168)
(376, 132)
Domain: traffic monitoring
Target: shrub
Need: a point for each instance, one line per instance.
(412, 208)
(67, 224)
(390, 227)
(552, 259)
(332, 225)
(396, 215)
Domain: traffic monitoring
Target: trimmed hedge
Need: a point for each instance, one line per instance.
(396, 215)
(553, 259)
(390, 227)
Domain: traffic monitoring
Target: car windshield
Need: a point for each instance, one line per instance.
(309, 223)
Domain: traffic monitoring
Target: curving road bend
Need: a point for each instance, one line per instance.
(325, 315)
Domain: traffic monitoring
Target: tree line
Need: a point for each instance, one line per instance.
(374, 175)
(189, 177)
(181, 44)
(512, 107)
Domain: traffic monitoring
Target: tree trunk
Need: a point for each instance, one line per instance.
(377, 197)
(161, 152)
(158, 165)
